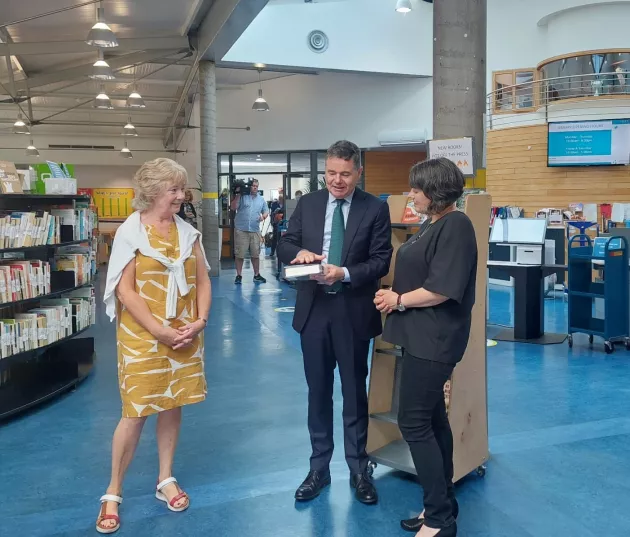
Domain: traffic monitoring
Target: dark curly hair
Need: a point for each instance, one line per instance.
(440, 180)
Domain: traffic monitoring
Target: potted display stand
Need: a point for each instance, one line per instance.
(465, 393)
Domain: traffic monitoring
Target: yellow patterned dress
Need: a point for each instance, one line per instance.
(153, 377)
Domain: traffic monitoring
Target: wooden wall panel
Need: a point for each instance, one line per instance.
(517, 174)
(387, 172)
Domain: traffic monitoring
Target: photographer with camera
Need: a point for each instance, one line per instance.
(251, 209)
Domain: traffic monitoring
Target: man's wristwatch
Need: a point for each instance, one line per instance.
(399, 305)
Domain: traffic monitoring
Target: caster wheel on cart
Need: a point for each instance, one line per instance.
(481, 471)
(608, 347)
(570, 341)
(590, 338)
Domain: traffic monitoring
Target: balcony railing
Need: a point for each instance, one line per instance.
(540, 95)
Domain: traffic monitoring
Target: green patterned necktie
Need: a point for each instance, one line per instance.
(337, 232)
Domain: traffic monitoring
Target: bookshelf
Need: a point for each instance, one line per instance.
(465, 393)
(47, 269)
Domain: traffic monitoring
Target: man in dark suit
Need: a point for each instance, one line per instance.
(349, 232)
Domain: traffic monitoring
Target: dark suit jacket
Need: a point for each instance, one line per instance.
(367, 253)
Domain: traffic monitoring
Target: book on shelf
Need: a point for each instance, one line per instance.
(19, 229)
(22, 279)
(80, 264)
(302, 272)
(52, 320)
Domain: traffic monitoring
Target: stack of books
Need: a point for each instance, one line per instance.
(23, 229)
(53, 320)
(21, 279)
(82, 221)
(79, 263)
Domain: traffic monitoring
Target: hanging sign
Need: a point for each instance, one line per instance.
(113, 202)
(457, 150)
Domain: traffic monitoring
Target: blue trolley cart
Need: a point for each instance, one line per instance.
(609, 254)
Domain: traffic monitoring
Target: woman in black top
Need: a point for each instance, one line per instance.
(429, 313)
(187, 210)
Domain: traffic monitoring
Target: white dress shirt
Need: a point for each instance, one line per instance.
(330, 210)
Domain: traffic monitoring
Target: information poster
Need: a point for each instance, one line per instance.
(457, 150)
(589, 143)
(113, 203)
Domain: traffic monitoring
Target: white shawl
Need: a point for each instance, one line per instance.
(132, 236)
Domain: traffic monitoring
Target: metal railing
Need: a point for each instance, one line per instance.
(539, 96)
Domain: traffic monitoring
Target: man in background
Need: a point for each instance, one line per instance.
(349, 232)
(251, 210)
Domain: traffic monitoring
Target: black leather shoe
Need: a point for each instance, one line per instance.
(365, 491)
(415, 524)
(310, 488)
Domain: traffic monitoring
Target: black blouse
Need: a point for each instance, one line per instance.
(442, 258)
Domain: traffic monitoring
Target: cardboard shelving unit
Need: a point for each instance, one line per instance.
(465, 393)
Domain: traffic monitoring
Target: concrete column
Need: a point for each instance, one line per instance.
(459, 70)
(209, 173)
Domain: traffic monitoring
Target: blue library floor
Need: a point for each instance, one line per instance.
(559, 433)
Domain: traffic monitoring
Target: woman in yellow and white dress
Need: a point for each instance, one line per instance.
(159, 290)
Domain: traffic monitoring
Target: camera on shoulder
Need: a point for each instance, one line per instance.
(242, 187)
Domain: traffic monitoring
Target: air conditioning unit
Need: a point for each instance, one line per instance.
(402, 137)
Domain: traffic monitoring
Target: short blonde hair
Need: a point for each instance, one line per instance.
(153, 177)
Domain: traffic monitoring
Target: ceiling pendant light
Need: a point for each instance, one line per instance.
(125, 152)
(101, 34)
(102, 101)
(20, 127)
(129, 129)
(260, 104)
(135, 100)
(102, 70)
(403, 6)
(31, 150)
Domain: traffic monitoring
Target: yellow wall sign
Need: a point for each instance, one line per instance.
(113, 202)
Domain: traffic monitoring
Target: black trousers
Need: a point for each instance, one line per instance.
(423, 421)
(328, 340)
(275, 235)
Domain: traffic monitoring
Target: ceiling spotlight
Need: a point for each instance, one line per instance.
(403, 6)
(101, 34)
(19, 127)
(129, 129)
(135, 100)
(102, 70)
(31, 150)
(102, 101)
(125, 152)
(260, 104)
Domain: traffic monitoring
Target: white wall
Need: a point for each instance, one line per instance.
(311, 112)
(104, 176)
(365, 36)
(589, 28)
(523, 34)
(12, 147)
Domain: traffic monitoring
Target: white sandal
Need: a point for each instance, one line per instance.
(102, 516)
(171, 504)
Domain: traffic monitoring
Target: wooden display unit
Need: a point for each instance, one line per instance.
(465, 393)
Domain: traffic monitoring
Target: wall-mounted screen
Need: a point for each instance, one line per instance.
(589, 143)
(519, 230)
